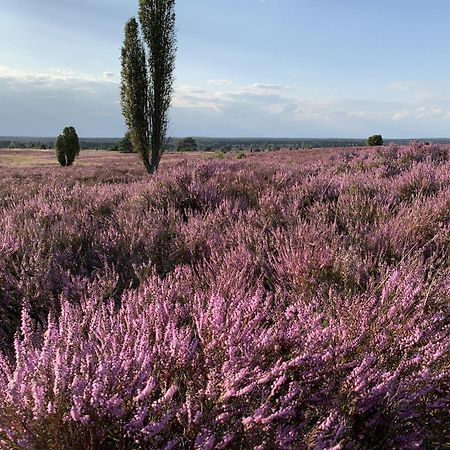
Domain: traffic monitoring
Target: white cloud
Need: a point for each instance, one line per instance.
(401, 115)
(406, 85)
(422, 112)
(266, 88)
(275, 110)
(275, 100)
(43, 103)
(418, 91)
(52, 77)
(221, 82)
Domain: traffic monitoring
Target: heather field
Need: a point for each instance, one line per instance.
(285, 300)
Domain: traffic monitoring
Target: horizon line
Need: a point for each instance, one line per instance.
(238, 137)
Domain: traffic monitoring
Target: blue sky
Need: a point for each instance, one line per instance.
(279, 68)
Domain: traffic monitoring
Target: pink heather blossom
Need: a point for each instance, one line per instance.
(291, 300)
(151, 383)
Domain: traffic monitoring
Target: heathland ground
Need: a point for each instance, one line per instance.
(290, 299)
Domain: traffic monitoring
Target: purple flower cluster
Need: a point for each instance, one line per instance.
(270, 302)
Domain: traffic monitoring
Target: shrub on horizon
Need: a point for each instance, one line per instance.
(187, 145)
(375, 140)
(125, 145)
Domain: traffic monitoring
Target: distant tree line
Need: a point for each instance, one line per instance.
(207, 144)
(20, 144)
(255, 144)
(48, 143)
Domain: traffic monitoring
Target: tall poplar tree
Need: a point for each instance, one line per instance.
(148, 62)
(135, 91)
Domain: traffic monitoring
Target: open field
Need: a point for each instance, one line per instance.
(286, 300)
(23, 158)
(27, 158)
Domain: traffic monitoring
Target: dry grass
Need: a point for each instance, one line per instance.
(30, 158)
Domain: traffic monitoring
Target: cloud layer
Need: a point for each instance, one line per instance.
(43, 103)
(275, 110)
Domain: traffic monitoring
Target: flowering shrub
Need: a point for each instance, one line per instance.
(241, 304)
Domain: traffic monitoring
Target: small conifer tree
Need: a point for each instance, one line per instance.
(187, 145)
(67, 146)
(375, 140)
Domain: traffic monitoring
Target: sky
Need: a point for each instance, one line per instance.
(245, 68)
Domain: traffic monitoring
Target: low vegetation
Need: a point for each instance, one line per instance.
(259, 303)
